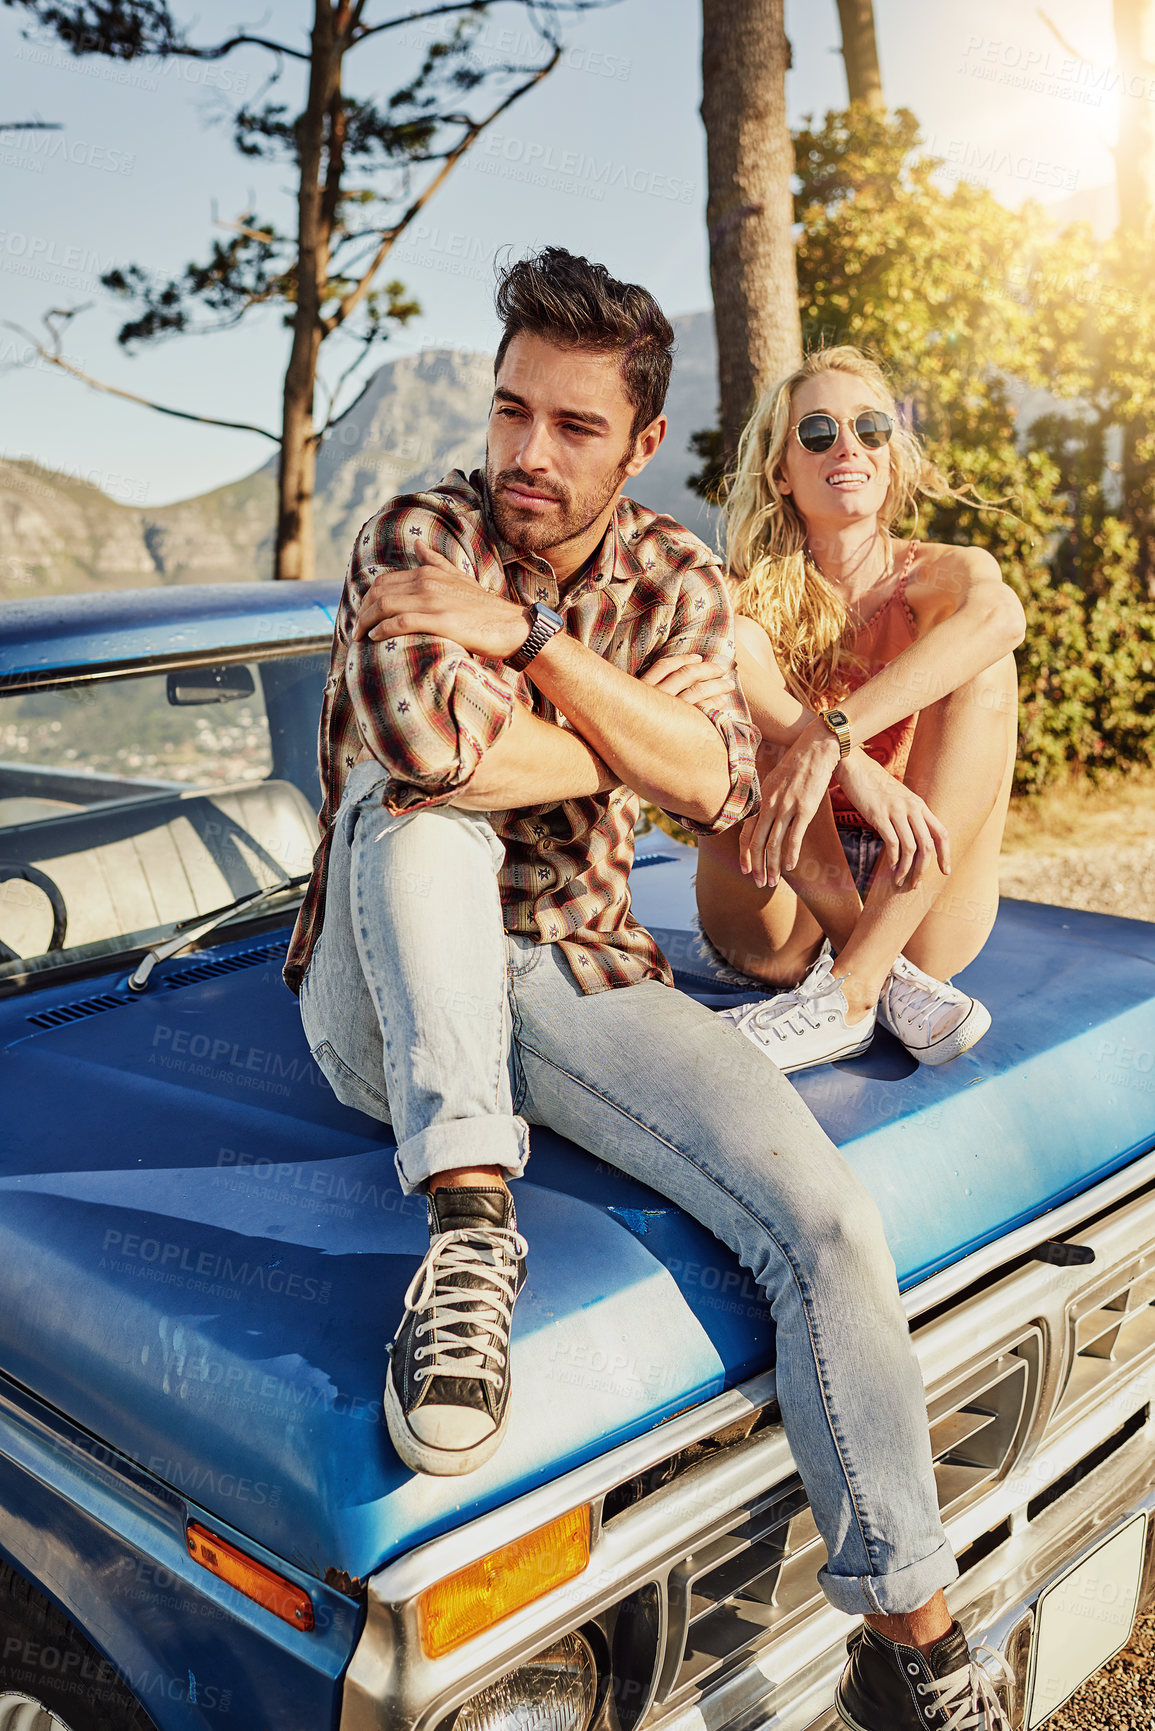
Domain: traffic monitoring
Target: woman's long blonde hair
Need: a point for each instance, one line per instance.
(777, 582)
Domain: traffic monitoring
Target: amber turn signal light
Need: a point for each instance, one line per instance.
(249, 1577)
(478, 1596)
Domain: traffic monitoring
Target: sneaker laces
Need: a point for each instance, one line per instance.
(917, 1002)
(469, 1342)
(790, 1012)
(969, 1696)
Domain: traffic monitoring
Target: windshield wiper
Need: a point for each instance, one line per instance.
(188, 931)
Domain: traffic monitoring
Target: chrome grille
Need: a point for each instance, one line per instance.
(737, 1590)
(731, 1593)
(1111, 1330)
(977, 1424)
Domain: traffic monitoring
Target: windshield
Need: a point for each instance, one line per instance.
(128, 805)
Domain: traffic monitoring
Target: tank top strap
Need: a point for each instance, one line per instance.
(892, 628)
(900, 587)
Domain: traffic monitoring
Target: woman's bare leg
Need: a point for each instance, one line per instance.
(959, 923)
(767, 933)
(961, 763)
(776, 934)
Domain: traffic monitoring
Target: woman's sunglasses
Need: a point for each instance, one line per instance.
(818, 431)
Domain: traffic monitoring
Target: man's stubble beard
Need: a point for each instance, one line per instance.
(577, 516)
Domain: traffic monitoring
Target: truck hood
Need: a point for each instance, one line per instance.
(205, 1268)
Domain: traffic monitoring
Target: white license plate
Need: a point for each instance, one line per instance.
(1085, 1618)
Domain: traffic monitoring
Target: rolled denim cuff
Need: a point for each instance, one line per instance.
(500, 1140)
(895, 1593)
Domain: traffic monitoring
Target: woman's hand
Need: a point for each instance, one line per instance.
(792, 791)
(912, 836)
(691, 677)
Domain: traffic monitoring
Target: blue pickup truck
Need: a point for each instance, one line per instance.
(202, 1257)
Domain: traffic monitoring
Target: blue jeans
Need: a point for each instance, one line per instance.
(422, 1011)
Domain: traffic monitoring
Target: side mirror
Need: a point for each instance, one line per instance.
(209, 684)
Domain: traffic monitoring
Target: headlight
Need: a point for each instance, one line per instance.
(554, 1691)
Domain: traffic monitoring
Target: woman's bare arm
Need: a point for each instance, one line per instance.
(967, 618)
(778, 716)
(792, 787)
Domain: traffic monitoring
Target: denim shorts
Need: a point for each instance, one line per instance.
(863, 849)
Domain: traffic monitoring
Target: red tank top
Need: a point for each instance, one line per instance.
(885, 634)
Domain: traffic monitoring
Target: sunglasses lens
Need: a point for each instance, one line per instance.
(873, 429)
(817, 432)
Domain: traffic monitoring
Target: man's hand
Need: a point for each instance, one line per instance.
(690, 677)
(438, 599)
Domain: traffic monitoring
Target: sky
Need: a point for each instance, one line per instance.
(1024, 103)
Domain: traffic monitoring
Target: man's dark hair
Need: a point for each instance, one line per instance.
(569, 301)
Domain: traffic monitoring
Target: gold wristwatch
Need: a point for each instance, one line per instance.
(839, 726)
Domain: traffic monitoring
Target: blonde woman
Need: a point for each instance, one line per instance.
(880, 673)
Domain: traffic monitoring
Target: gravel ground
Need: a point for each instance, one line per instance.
(1108, 879)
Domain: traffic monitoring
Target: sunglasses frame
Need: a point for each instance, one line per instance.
(846, 421)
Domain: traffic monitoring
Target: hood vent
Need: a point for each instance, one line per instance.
(65, 1013)
(226, 965)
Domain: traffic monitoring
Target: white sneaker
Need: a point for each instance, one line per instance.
(934, 1020)
(807, 1026)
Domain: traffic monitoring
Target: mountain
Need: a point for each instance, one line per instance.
(419, 417)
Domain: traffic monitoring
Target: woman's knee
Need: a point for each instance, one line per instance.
(994, 691)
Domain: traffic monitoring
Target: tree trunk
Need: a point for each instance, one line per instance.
(860, 52)
(1135, 184)
(750, 208)
(296, 538)
(1135, 152)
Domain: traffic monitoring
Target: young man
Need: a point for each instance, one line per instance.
(500, 695)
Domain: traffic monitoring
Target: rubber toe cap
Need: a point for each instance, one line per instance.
(450, 1427)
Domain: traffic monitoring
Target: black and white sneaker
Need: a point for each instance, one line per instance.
(889, 1687)
(447, 1391)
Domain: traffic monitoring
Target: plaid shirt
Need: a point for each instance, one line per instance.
(428, 711)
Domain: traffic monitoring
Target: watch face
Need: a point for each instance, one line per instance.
(548, 614)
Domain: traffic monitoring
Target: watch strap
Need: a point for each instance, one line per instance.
(545, 624)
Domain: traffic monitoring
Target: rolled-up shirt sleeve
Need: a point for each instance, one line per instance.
(703, 624)
(426, 709)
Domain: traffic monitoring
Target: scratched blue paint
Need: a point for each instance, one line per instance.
(637, 1219)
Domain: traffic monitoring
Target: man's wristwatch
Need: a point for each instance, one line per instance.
(546, 624)
(839, 726)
